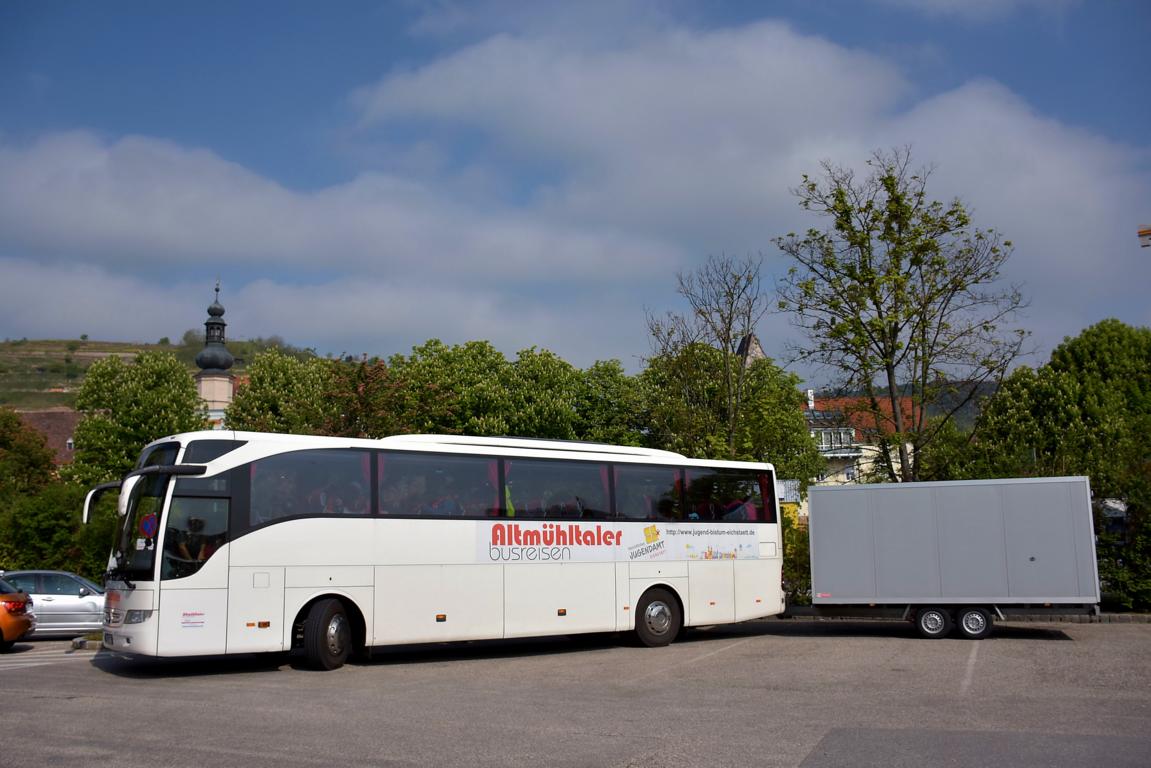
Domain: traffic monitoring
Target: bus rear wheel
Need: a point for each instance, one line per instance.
(658, 619)
(327, 635)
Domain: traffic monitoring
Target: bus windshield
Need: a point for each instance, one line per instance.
(134, 553)
(134, 556)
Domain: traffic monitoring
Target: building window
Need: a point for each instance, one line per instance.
(832, 439)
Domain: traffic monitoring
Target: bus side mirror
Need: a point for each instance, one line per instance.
(126, 488)
(94, 495)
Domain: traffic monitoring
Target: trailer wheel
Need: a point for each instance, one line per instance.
(327, 635)
(657, 620)
(974, 623)
(933, 623)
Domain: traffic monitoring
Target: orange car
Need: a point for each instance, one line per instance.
(16, 617)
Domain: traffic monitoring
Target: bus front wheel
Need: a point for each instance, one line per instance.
(327, 635)
(658, 618)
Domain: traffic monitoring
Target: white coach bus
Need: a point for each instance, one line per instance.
(241, 542)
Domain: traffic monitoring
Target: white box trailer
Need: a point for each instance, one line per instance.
(953, 554)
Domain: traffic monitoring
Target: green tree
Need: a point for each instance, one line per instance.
(473, 389)
(459, 389)
(26, 461)
(796, 562)
(369, 399)
(686, 412)
(684, 402)
(542, 394)
(43, 530)
(898, 296)
(284, 394)
(125, 406)
(609, 405)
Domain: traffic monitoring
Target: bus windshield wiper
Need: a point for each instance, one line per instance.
(119, 572)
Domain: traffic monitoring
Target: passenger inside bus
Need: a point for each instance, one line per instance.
(197, 527)
(325, 500)
(482, 501)
(273, 496)
(441, 500)
(355, 500)
(196, 544)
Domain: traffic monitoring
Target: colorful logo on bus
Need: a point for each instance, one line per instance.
(541, 541)
(547, 542)
(652, 548)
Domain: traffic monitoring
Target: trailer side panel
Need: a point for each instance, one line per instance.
(1018, 541)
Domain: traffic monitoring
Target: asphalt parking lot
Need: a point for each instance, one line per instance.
(778, 692)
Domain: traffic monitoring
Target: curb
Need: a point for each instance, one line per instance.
(84, 644)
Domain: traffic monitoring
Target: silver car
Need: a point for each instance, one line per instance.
(66, 604)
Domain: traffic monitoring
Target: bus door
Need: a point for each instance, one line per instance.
(194, 573)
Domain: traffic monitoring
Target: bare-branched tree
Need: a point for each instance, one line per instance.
(727, 301)
(900, 296)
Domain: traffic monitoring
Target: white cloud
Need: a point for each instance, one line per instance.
(142, 201)
(685, 133)
(64, 301)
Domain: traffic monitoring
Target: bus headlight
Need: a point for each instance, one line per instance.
(137, 617)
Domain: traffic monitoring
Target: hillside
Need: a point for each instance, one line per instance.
(45, 373)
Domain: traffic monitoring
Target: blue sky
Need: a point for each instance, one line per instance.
(365, 176)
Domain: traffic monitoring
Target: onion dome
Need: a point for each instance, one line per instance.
(215, 357)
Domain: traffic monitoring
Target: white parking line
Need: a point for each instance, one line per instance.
(970, 674)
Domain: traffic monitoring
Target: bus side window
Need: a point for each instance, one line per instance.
(555, 489)
(274, 491)
(731, 495)
(437, 485)
(647, 493)
(197, 527)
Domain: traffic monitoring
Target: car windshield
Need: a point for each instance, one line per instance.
(6, 588)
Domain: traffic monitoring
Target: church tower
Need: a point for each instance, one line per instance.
(214, 383)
